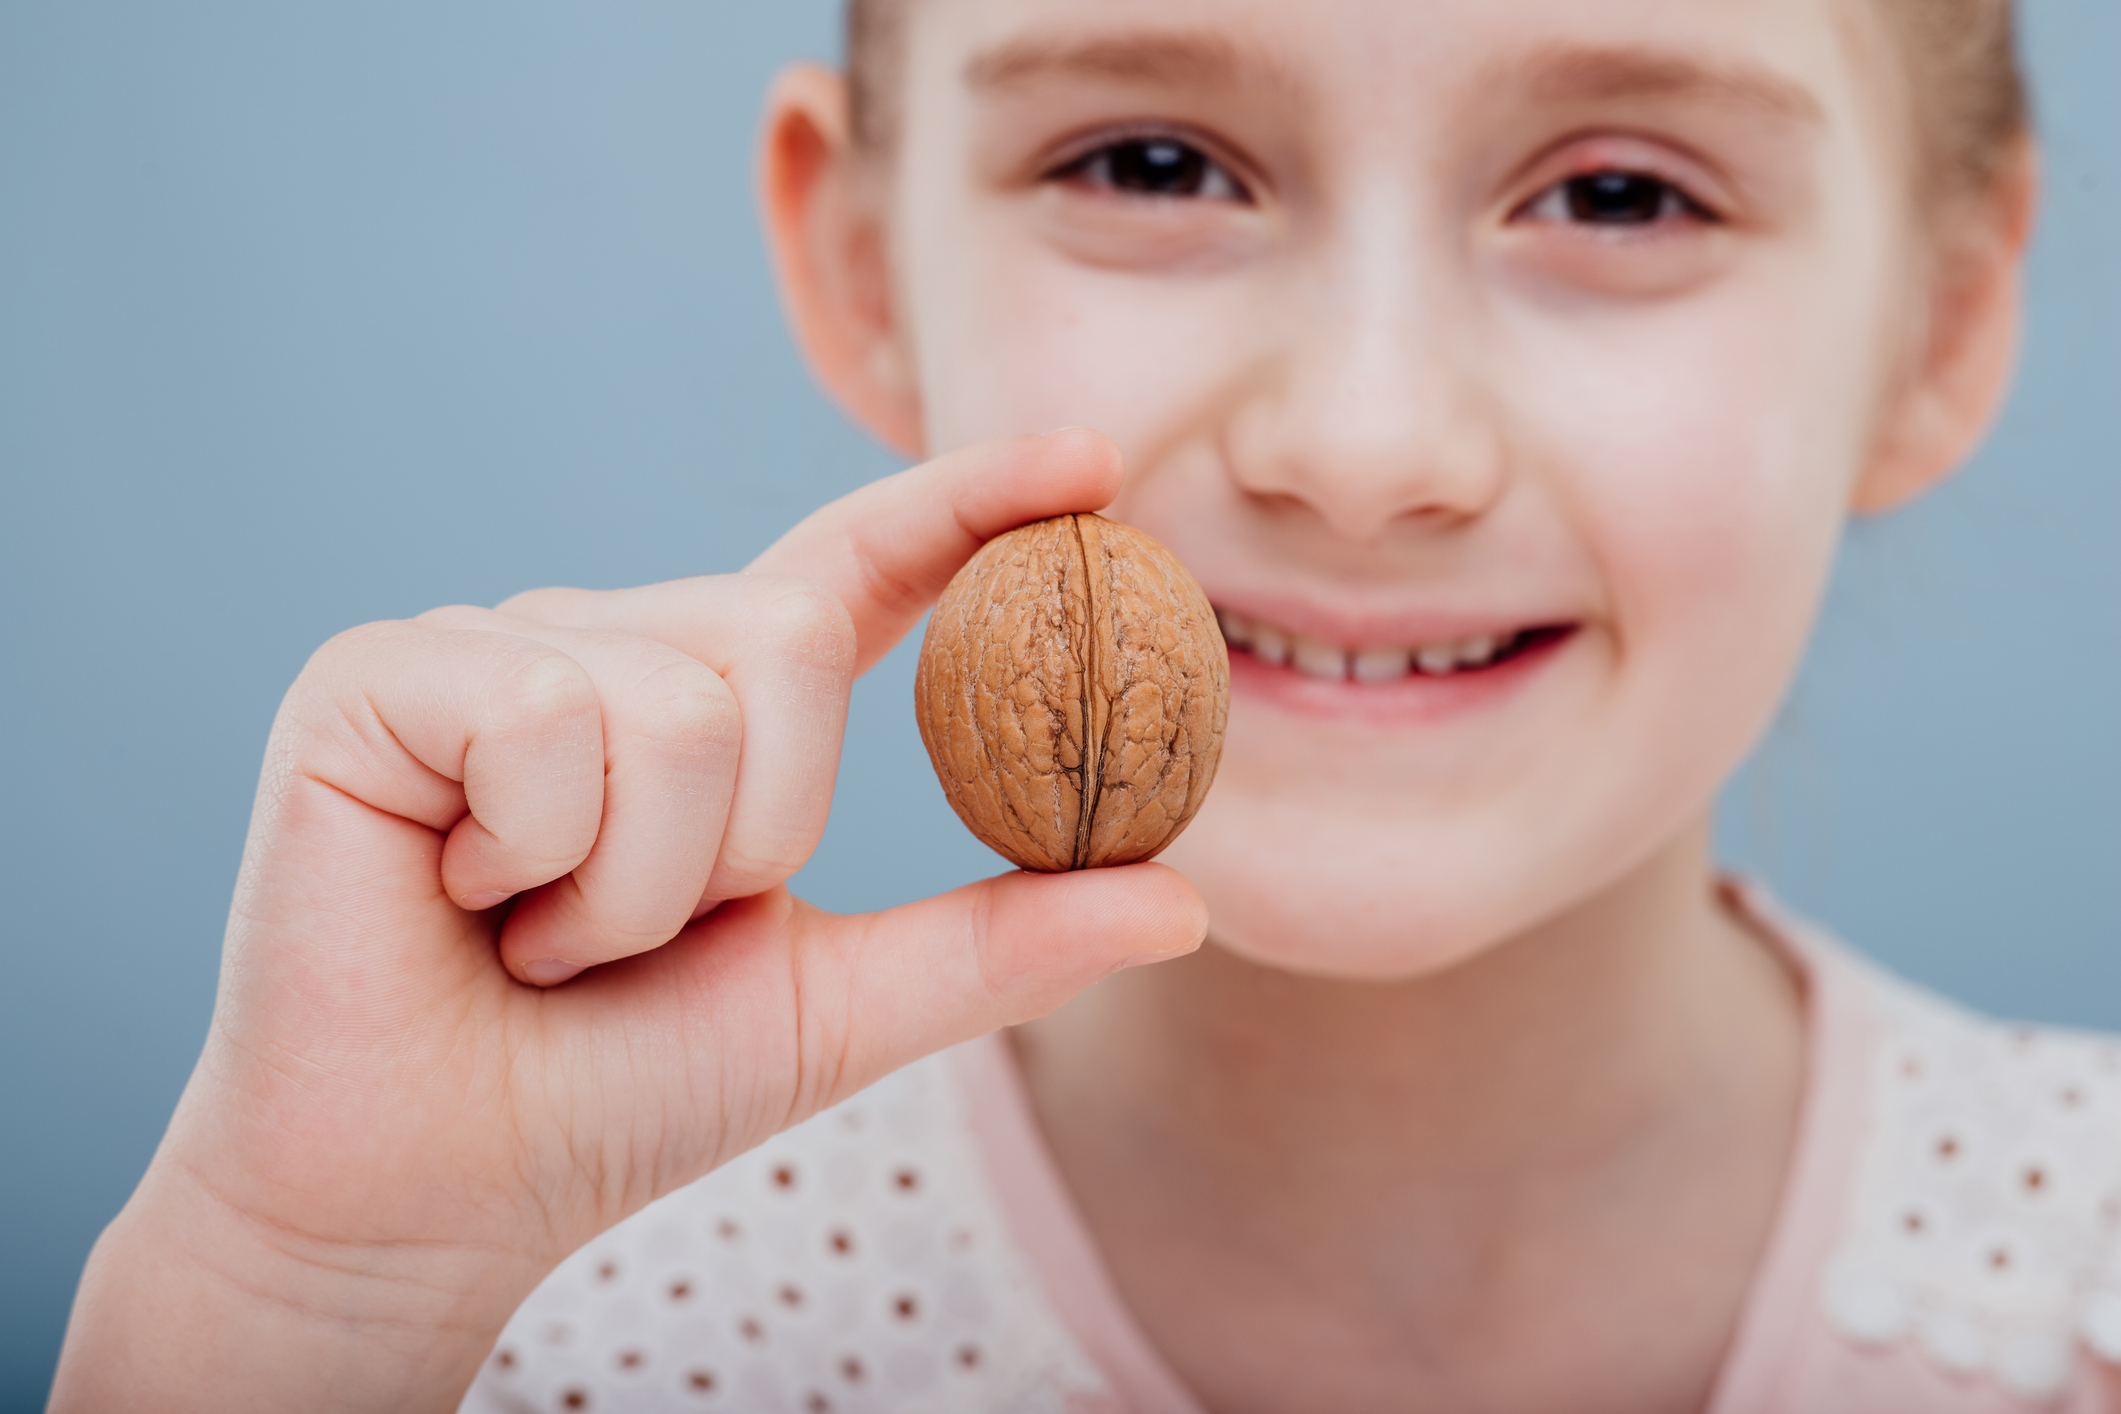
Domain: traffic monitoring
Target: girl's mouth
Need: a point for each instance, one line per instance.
(1276, 647)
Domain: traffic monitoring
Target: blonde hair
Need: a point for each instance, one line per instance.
(874, 32)
(1970, 105)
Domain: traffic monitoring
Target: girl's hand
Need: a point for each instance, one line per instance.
(406, 1113)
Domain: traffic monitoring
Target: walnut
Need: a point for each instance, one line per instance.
(1072, 692)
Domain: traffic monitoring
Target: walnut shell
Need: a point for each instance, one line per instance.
(1072, 692)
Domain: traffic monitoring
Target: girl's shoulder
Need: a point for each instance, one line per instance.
(860, 1261)
(1953, 1217)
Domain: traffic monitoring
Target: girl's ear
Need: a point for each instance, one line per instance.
(1959, 367)
(823, 204)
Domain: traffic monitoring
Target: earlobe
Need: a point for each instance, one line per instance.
(825, 230)
(1959, 373)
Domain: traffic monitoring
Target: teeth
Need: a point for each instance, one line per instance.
(1381, 664)
(1269, 645)
(1438, 659)
(1320, 660)
(1315, 658)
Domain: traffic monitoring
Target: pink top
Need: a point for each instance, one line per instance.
(1788, 1357)
(1949, 1241)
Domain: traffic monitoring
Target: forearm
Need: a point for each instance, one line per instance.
(188, 1305)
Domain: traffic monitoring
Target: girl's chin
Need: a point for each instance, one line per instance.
(1345, 959)
(1340, 918)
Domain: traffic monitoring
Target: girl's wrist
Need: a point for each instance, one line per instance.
(189, 1303)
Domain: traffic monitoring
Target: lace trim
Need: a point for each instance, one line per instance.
(1986, 1222)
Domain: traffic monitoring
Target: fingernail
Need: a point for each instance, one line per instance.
(549, 972)
(479, 903)
(1146, 958)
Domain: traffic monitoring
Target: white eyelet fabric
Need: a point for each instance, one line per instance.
(857, 1264)
(1985, 1226)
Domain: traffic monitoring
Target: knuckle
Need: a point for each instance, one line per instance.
(348, 660)
(807, 619)
(360, 638)
(685, 703)
(341, 669)
(983, 939)
(456, 616)
(542, 687)
(553, 605)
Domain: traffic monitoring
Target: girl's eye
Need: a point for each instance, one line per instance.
(1155, 166)
(1615, 198)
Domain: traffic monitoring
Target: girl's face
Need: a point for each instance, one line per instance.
(1504, 369)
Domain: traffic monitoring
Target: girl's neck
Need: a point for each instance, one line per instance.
(1565, 1041)
(1481, 1133)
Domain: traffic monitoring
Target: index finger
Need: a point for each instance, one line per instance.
(888, 549)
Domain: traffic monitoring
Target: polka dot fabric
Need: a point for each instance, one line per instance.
(1949, 1242)
(858, 1264)
(1985, 1224)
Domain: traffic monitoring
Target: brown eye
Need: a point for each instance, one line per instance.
(1615, 198)
(1155, 166)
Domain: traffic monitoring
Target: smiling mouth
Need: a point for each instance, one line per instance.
(1332, 662)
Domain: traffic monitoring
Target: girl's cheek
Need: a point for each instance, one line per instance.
(1028, 340)
(1699, 448)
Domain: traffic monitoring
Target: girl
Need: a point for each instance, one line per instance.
(1505, 370)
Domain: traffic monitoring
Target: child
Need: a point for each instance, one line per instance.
(1505, 370)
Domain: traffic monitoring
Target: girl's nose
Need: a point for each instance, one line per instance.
(1371, 412)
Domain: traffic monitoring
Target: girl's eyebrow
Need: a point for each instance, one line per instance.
(1140, 56)
(1593, 74)
(1558, 74)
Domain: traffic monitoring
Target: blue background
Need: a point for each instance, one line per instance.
(313, 315)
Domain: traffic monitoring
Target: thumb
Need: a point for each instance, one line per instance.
(882, 990)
